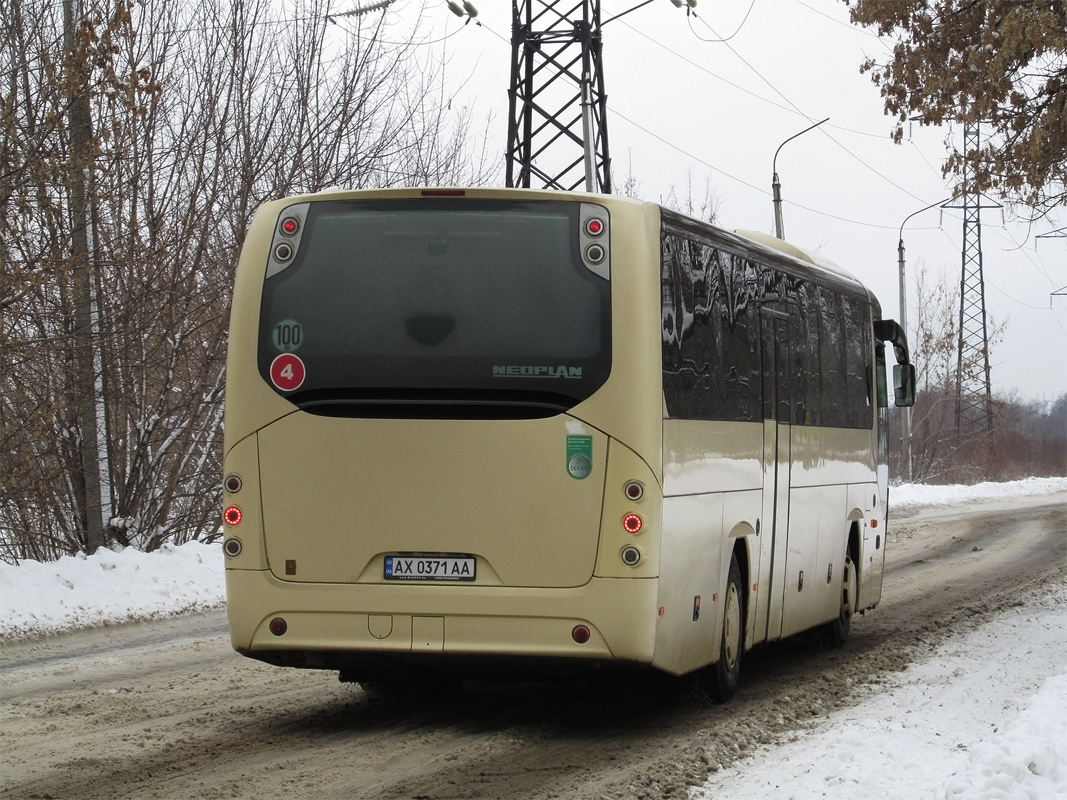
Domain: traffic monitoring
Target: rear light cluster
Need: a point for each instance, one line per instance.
(594, 227)
(232, 515)
(289, 226)
(632, 523)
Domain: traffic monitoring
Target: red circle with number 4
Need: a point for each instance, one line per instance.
(287, 372)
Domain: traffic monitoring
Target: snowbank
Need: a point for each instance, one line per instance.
(108, 587)
(915, 495)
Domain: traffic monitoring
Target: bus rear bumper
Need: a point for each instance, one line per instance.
(472, 629)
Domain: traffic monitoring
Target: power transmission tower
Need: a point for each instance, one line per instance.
(557, 126)
(974, 399)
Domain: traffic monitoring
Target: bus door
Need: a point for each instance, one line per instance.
(777, 415)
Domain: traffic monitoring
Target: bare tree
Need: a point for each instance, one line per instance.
(198, 113)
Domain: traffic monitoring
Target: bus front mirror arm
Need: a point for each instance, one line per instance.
(888, 330)
(904, 385)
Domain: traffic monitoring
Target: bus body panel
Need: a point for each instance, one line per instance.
(340, 495)
(701, 457)
(830, 455)
(690, 565)
(624, 466)
(329, 623)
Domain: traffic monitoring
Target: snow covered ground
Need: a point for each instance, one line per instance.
(984, 717)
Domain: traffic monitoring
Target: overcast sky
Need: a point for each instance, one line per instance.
(683, 106)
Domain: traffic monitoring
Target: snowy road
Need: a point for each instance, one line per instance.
(168, 710)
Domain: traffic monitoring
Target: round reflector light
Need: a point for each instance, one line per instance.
(232, 515)
(633, 491)
(580, 634)
(278, 626)
(290, 225)
(631, 523)
(233, 484)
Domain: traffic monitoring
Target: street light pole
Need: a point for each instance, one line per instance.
(905, 418)
(776, 186)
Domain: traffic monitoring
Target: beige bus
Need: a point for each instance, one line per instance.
(488, 432)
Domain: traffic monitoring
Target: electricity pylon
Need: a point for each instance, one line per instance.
(974, 399)
(557, 126)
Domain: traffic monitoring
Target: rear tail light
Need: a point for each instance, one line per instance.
(631, 523)
(232, 515)
(634, 491)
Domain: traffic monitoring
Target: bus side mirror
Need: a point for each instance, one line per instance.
(904, 385)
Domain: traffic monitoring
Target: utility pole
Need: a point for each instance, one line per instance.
(776, 185)
(79, 120)
(905, 418)
(557, 120)
(974, 399)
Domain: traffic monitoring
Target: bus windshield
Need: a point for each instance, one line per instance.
(435, 304)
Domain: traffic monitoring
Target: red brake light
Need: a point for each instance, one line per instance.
(232, 515)
(631, 523)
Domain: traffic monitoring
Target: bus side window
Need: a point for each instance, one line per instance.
(879, 373)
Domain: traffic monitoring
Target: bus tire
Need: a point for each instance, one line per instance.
(838, 630)
(727, 670)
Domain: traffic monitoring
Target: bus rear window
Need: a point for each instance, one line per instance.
(436, 307)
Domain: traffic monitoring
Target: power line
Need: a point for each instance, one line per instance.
(806, 116)
(728, 38)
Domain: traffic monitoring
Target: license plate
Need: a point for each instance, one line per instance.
(429, 568)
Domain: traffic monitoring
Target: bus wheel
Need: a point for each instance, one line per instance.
(838, 629)
(728, 668)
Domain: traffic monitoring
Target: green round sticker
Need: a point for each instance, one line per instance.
(287, 335)
(579, 467)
